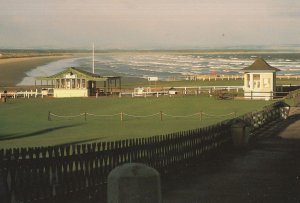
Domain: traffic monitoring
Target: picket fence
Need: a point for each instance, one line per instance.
(78, 173)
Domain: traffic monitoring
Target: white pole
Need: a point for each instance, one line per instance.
(93, 58)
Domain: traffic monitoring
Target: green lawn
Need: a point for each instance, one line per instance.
(24, 122)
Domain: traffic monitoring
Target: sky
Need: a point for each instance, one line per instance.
(145, 24)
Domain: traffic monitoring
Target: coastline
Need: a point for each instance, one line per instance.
(13, 70)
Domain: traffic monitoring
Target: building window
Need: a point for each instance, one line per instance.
(256, 80)
(267, 82)
(248, 80)
(63, 83)
(78, 83)
(73, 83)
(83, 83)
(57, 84)
(68, 83)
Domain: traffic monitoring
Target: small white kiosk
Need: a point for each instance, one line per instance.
(259, 80)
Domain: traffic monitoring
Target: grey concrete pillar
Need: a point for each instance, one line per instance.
(3, 99)
(133, 183)
(284, 112)
(240, 134)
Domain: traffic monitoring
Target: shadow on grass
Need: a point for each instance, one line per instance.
(36, 133)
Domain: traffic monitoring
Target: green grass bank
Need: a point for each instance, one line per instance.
(24, 122)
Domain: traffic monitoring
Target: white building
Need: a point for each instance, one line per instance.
(74, 82)
(259, 80)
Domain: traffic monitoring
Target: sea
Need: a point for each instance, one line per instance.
(167, 65)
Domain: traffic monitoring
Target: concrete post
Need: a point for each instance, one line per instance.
(133, 183)
(3, 99)
(284, 112)
(240, 134)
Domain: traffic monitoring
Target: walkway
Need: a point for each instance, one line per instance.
(267, 172)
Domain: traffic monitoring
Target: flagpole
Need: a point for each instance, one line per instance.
(93, 58)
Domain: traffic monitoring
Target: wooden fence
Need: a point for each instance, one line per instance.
(78, 173)
(230, 77)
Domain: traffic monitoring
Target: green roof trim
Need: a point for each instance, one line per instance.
(260, 65)
(80, 74)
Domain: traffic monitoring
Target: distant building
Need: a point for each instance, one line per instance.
(74, 82)
(259, 80)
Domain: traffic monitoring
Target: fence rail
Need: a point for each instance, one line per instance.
(77, 173)
(123, 115)
(231, 77)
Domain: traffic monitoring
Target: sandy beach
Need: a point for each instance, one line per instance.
(13, 70)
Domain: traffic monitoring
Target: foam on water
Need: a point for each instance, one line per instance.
(166, 65)
(49, 69)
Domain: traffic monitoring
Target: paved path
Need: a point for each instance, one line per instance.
(268, 172)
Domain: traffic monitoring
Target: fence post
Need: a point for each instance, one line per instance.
(121, 115)
(240, 134)
(49, 116)
(134, 183)
(161, 115)
(200, 115)
(4, 190)
(85, 116)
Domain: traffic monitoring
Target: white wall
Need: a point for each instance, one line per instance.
(70, 93)
(259, 89)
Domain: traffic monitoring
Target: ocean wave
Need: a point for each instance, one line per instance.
(168, 64)
(49, 69)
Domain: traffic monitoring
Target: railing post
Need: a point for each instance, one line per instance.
(284, 112)
(240, 134)
(134, 183)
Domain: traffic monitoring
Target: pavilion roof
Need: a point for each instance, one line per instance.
(260, 65)
(80, 74)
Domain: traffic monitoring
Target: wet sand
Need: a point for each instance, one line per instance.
(13, 70)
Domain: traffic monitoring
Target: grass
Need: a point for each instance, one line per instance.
(24, 122)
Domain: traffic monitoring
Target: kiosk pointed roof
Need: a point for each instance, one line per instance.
(260, 65)
(80, 73)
